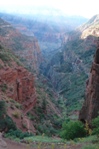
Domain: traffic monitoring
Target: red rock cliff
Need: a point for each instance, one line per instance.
(90, 107)
(17, 83)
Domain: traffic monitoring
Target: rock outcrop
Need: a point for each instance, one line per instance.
(90, 107)
(17, 83)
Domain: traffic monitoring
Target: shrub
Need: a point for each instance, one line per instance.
(17, 134)
(2, 115)
(16, 114)
(2, 109)
(6, 122)
(9, 123)
(3, 87)
(4, 56)
(95, 124)
(72, 129)
(18, 105)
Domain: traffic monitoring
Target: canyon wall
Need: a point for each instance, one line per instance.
(17, 83)
(90, 108)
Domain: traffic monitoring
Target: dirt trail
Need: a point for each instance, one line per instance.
(15, 145)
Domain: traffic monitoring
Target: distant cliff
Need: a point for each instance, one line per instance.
(90, 107)
(26, 47)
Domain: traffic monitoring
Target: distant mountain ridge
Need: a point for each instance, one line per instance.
(49, 28)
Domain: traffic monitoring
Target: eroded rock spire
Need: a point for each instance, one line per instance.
(90, 108)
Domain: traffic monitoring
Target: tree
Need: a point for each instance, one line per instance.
(95, 124)
(73, 129)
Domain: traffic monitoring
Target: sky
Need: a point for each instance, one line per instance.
(86, 8)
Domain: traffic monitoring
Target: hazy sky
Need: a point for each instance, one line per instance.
(86, 8)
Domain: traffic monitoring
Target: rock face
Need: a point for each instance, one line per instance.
(18, 84)
(90, 108)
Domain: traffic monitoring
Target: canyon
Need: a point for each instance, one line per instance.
(50, 82)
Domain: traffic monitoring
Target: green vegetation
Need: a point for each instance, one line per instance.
(2, 109)
(7, 56)
(92, 146)
(45, 119)
(8, 126)
(16, 114)
(72, 130)
(13, 134)
(4, 87)
(95, 124)
(89, 142)
(43, 139)
(4, 56)
(6, 123)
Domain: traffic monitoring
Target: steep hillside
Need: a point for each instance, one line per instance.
(26, 47)
(69, 68)
(31, 105)
(16, 87)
